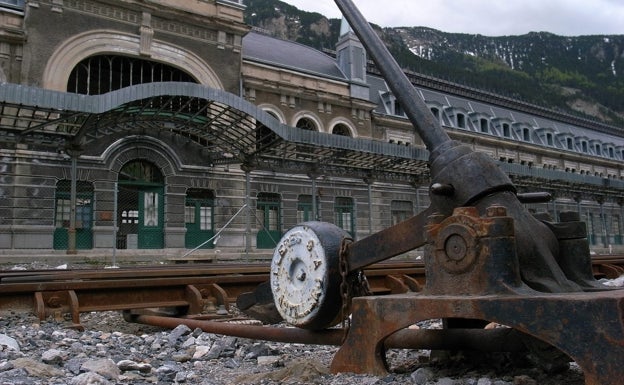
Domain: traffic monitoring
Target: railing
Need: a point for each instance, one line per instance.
(541, 173)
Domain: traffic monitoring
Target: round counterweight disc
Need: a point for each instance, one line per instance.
(305, 275)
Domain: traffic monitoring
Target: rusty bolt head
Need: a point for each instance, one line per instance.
(496, 211)
(54, 302)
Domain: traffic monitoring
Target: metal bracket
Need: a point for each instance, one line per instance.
(472, 273)
(556, 319)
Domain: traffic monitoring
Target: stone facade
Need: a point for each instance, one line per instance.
(206, 42)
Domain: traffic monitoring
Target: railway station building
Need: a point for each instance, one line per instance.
(172, 128)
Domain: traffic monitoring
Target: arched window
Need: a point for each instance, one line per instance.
(140, 171)
(341, 129)
(306, 124)
(305, 151)
(100, 74)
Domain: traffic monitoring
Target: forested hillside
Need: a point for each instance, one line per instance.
(582, 75)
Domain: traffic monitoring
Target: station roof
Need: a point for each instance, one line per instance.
(290, 55)
(231, 129)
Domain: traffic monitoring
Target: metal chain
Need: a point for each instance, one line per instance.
(344, 286)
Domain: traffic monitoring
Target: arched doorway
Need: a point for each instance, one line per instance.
(140, 210)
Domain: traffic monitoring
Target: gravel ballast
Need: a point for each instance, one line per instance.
(113, 351)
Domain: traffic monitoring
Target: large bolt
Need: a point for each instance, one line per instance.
(446, 190)
(496, 211)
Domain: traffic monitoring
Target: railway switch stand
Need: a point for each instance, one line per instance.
(486, 258)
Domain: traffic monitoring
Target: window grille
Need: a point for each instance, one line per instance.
(100, 74)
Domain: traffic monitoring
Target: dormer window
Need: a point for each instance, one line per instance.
(522, 132)
(569, 144)
(506, 130)
(461, 121)
(392, 105)
(526, 134)
(398, 109)
(483, 124)
(595, 146)
(546, 136)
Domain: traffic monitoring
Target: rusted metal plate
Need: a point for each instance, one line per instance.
(588, 327)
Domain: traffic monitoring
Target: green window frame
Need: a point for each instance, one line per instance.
(344, 214)
(305, 208)
(268, 214)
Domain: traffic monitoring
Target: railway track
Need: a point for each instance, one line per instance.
(184, 289)
(181, 289)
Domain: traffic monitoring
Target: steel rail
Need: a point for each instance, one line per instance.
(187, 288)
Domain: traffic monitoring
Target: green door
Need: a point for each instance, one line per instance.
(269, 215)
(199, 220)
(151, 215)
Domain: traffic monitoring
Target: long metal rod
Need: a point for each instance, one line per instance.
(71, 232)
(415, 108)
(390, 242)
(493, 340)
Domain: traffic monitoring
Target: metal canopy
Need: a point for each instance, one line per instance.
(230, 129)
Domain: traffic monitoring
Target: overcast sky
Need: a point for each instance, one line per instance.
(488, 17)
